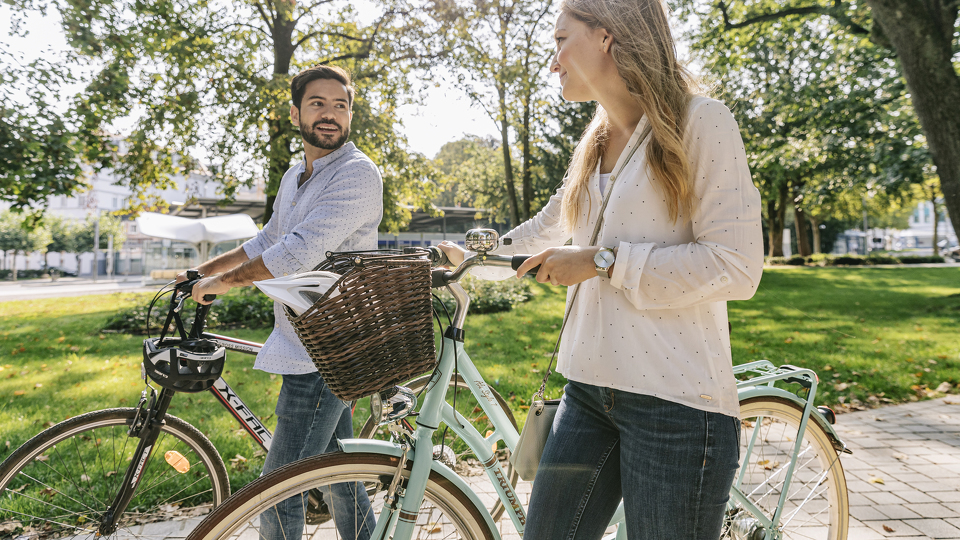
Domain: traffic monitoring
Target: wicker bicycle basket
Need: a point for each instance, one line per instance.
(374, 328)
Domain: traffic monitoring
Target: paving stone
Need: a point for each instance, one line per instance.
(884, 498)
(945, 496)
(932, 487)
(868, 514)
(898, 528)
(915, 496)
(934, 528)
(932, 510)
(897, 511)
(863, 533)
(859, 486)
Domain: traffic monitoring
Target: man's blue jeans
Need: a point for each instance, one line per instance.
(310, 419)
(672, 465)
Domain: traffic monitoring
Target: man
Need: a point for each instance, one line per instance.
(330, 201)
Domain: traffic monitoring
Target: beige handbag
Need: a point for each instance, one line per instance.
(526, 456)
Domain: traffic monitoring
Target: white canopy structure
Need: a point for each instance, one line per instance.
(202, 233)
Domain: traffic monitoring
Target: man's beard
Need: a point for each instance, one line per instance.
(314, 139)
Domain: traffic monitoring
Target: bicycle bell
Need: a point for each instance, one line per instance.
(482, 240)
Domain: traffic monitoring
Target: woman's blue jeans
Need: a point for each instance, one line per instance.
(672, 465)
(310, 419)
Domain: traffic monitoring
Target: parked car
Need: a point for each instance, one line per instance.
(56, 271)
(951, 253)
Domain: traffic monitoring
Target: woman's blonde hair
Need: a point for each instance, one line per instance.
(643, 51)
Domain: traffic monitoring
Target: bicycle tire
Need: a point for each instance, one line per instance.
(368, 431)
(60, 481)
(817, 505)
(240, 513)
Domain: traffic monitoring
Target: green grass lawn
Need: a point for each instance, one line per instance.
(875, 335)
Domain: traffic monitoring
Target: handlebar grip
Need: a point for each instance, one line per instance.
(438, 257)
(209, 297)
(518, 260)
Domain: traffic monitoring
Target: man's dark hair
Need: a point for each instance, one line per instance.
(299, 83)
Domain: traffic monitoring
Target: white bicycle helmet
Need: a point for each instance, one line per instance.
(299, 291)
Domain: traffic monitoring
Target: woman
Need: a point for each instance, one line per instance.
(650, 412)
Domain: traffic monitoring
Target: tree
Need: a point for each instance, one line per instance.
(499, 60)
(475, 168)
(41, 148)
(929, 191)
(19, 236)
(63, 237)
(83, 237)
(213, 78)
(821, 115)
(921, 40)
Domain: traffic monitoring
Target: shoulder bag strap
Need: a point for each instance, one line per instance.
(593, 239)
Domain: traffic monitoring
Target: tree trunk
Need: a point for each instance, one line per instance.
(776, 213)
(936, 219)
(278, 124)
(525, 145)
(803, 243)
(507, 163)
(13, 267)
(922, 32)
(815, 232)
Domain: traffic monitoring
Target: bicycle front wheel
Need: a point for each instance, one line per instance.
(446, 511)
(475, 415)
(60, 482)
(816, 505)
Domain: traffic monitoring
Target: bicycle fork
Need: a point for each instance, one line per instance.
(147, 430)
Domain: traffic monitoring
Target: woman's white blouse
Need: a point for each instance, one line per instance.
(659, 326)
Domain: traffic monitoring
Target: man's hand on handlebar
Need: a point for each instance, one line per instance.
(182, 276)
(206, 287)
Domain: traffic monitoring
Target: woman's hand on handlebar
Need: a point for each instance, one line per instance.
(566, 265)
(454, 253)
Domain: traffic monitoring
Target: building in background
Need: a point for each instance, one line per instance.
(195, 196)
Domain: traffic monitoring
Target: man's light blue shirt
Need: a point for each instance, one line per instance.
(337, 209)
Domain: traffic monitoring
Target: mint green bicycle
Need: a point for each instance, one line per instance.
(790, 484)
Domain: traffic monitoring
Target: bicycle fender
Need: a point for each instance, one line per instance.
(815, 415)
(353, 446)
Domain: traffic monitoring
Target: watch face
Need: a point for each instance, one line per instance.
(604, 258)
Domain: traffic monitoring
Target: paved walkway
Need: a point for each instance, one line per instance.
(903, 477)
(904, 474)
(28, 289)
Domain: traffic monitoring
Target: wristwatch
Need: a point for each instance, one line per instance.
(603, 260)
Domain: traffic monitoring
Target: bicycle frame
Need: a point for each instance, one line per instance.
(434, 410)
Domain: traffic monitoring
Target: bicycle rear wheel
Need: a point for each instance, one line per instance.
(60, 482)
(816, 505)
(446, 511)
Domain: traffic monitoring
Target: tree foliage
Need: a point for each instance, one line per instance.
(825, 116)
(917, 39)
(500, 58)
(19, 234)
(211, 79)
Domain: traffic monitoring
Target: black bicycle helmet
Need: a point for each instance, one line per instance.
(198, 363)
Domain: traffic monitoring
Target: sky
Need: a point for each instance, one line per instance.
(447, 113)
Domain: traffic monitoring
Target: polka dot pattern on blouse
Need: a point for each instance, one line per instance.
(658, 326)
